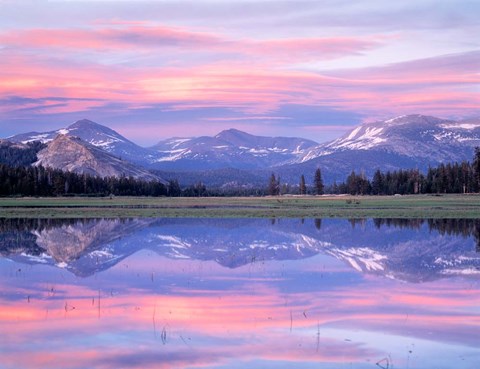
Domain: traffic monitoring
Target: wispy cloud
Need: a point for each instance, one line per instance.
(341, 64)
(107, 38)
(117, 39)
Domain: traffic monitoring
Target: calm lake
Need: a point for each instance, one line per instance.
(239, 293)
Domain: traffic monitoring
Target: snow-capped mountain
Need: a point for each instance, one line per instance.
(229, 149)
(411, 141)
(405, 142)
(416, 136)
(408, 129)
(70, 153)
(416, 254)
(95, 134)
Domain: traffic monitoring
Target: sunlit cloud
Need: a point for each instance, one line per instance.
(107, 38)
(119, 65)
(161, 37)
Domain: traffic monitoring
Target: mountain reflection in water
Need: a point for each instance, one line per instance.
(411, 249)
(235, 293)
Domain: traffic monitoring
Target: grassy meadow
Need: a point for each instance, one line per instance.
(412, 206)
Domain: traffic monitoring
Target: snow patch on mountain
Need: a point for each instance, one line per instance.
(174, 242)
(468, 271)
(362, 258)
(43, 138)
(101, 254)
(173, 155)
(468, 126)
(43, 258)
(396, 119)
(361, 138)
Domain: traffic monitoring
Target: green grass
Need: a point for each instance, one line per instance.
(415, 206)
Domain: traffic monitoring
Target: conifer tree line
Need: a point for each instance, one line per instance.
(25, 180)
(15, 156)
(40, 181)
(275, 187)
(461, 177)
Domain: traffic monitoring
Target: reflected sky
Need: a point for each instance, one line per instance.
(239, 293)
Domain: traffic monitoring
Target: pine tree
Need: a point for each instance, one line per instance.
(173, 188)
(351, 183)
(476, 168)
(303, 187)
(318, 182)
(273, 186)
(378, 183)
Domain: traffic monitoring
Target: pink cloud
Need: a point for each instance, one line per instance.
(439, 86)
(107, 38)
(311, 48)
(148, 37)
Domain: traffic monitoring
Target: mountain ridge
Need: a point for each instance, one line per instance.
(404, 142)
(229, 148)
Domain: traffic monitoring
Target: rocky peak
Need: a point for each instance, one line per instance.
(70, 153)
(82, 123)
(234, 136)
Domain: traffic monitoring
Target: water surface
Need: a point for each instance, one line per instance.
(236, 293)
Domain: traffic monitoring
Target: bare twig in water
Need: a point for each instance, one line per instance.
(384, 363)
(154, 322)
(318, 336)
(185, 342)
(68, 308)
(51, 292)
(164, 335)
(98, 304)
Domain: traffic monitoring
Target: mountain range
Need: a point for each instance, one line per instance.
(411, 141)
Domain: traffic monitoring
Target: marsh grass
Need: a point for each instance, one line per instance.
(414, 206)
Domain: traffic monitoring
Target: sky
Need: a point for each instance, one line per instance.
(157, 69)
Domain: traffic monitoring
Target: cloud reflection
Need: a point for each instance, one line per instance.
(184, 321)
(235, 293)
